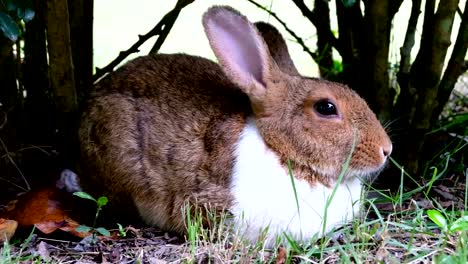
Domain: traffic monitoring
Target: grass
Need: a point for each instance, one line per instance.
(393, 229)
(409, 226)
(401, 231)
(425, 224)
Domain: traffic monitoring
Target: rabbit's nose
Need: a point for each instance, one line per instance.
(387, 150)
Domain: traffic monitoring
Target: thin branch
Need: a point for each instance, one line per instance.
(405, 50)
(299, 40)
(324, 49)
(161, 29)
(315, 20)
(407, 98)
(28, 187)
(170, 19)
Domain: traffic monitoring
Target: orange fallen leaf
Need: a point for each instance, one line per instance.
(44, 208)
(68, 225)
(7, 229)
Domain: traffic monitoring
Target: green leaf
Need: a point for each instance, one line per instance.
(447, 259)
(83, 229)
(460, 224)
(9, 27)
(28, 15)
(84, 196)
(437, 218)
(102, 201)
(10, 5)
(348, 3)
(103, 231)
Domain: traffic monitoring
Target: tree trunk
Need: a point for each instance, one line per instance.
(9, 90)
(60, 56)
(81, 34)
(455, 67)
(350, 27)
(62, 79)
(425, 75)
(38, 104)
(375, 57)
(324, 48)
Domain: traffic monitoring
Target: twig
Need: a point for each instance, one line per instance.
(312, 17)
(170, 18)
(405, 50)
(28, 187)
(14, 184)
(299, 40)
(161, 29)
(5, 120)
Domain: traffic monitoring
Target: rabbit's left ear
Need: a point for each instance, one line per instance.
(240, 49)
(277, 47)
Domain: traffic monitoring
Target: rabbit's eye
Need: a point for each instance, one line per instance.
(325, 108)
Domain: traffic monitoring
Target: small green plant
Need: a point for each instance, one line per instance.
(100, 202)
(460, 224)
(122, 230)
(449, 226)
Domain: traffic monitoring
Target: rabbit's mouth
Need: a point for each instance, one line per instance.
(348, 173)
(368, 175)
(325, 176)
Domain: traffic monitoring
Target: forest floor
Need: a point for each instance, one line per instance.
(398, 231)
(423, 224)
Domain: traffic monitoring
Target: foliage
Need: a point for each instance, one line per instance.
(13, 15)
(460, 224)
(100, 202)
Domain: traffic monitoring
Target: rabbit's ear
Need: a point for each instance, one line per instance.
(240, 50)
(277, 47)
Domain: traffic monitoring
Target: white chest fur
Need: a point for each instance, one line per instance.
(264, 196)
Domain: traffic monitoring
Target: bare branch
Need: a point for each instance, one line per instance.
(456, 65)
(161, 29)
(299, 40)
(405, 50)
(315, 20)
(170, 19)
(406, 99)
(324, 49)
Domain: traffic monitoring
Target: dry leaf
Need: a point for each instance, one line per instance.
(43, 251)
(7, 229)
(44, 209)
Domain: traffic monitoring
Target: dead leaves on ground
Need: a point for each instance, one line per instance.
(7, 229)
(46, 209)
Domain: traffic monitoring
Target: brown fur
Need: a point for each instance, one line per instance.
(161, 131)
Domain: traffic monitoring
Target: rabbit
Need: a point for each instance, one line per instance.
(248, 136)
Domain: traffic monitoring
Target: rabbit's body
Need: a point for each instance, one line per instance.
(172, 161)
(165, 131)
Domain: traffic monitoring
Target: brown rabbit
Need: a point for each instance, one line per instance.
(165, 131)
